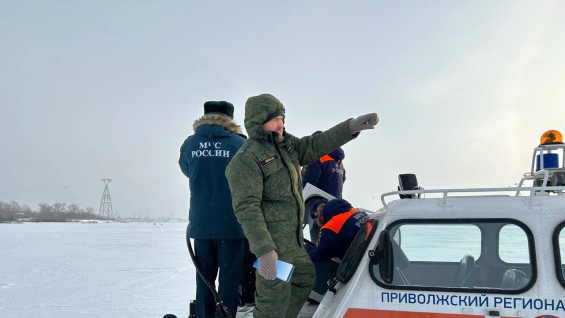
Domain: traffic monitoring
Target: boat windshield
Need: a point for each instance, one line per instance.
(475, 255)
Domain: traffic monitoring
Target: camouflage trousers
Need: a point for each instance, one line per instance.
(276, 298)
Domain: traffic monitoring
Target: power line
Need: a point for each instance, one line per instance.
(57, 187)
(106, 202)
(150, 185)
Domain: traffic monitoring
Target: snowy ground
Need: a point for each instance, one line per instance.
(94, 270)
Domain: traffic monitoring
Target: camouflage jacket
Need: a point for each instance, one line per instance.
(265, 182)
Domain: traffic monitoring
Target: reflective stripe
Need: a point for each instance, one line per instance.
(326, 158)
(369, 228)
(337, 221)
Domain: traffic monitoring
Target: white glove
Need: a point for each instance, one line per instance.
(363, 122)
(268, 265)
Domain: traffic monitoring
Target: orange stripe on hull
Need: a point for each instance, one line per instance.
(372, 313)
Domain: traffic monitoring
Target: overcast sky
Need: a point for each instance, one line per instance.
(110, 89)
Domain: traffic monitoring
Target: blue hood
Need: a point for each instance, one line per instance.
(335, 207)
(337, 154)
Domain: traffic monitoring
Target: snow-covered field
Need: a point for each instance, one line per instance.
(95, 270)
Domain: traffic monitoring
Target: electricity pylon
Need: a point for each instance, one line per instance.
(106, 203)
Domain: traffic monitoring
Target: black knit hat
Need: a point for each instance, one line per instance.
(218, 107)
(278, 112)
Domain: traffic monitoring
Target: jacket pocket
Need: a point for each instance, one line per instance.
(276, 182)
(270, 166)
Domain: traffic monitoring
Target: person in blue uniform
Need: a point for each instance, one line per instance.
(218, 236)
(328, 175)
(339, 223)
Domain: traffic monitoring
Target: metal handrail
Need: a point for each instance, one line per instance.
(445, 192)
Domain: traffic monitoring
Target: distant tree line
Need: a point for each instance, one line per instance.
(58, 212)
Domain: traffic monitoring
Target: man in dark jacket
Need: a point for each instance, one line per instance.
(218, 236)
(264, 178)
(339, 223)
(326, 174)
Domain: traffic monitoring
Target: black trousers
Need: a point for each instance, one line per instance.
(225, 256)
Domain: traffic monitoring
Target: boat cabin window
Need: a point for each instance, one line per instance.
(456, 240)
(512, 240)
(475, 255)
(559, 248)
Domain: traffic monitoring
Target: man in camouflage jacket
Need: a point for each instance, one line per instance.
(266, 186)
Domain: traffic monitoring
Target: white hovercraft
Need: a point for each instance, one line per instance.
(464, 253)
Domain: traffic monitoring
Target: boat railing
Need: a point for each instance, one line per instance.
(544, 173)
(534, 191)
(547, 174)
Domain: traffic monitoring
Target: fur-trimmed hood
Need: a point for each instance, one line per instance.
(213, 119)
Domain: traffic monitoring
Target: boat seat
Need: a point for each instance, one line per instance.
(514, 279)
(467, 272)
